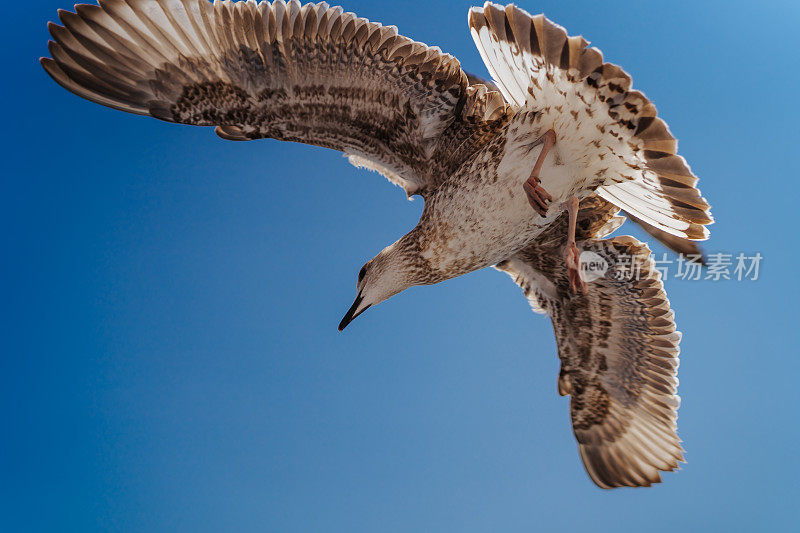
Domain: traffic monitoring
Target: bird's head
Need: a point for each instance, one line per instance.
(388, 273)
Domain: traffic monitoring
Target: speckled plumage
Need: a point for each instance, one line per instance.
(618, 347)
(315, 74)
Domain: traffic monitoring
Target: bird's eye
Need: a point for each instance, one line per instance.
(362, 273)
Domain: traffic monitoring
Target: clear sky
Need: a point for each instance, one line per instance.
(170, 359)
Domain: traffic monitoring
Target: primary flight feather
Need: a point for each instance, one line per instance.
(523, 174)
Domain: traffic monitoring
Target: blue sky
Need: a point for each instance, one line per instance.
(170, 359)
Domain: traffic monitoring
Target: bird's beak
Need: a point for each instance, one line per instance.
(353, 312)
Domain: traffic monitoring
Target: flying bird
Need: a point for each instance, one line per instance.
(527, 174)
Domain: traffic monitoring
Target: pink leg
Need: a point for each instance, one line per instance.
(572, 255)
(537, 196)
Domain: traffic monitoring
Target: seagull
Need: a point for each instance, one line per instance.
(529, 173)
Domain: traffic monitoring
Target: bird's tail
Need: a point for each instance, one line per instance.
(532, 60)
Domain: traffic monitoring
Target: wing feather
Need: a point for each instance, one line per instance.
(618, 347)
(305, 73)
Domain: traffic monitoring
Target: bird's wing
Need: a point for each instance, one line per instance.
(523, 52)
(597, 218)
(619, 357)
(306, 73)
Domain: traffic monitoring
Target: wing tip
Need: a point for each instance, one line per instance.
(53, 69)
(611, 469)
(230, 133)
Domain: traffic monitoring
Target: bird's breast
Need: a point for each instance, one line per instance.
(479, 218)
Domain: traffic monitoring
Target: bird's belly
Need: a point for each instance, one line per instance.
(481, 215)
(475, 225)
(570, 167)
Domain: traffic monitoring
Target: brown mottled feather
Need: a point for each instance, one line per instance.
(666, 190)
(689, 249)
(618, 347)
(308, 73)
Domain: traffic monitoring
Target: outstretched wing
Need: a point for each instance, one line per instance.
(530, 57)
(306, 73)
(618, 347)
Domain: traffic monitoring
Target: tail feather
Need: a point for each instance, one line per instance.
(532, 59)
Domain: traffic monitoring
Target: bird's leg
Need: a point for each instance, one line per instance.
(537, 196)
(572, 256)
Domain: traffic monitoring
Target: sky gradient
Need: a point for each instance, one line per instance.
(170, 359)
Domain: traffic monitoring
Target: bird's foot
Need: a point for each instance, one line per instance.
(573, 260)
(538, 197)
